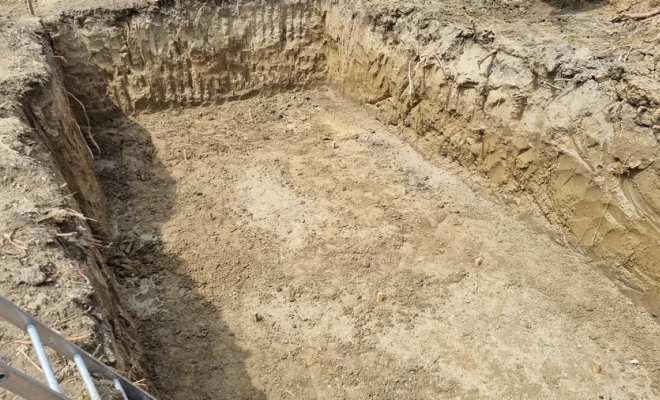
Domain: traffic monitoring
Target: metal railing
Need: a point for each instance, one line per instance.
(22, 385)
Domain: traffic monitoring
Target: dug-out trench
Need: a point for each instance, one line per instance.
(234, 142)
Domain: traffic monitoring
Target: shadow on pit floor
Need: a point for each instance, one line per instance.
(573, 6)
(192, 353)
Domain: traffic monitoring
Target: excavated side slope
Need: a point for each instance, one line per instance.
(132, 62)
(570, 131)
(54, 214)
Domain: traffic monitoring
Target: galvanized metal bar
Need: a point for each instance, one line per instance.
(22, 385)
(43, 358)
(16, 316)
(86, 377)
(119, 388)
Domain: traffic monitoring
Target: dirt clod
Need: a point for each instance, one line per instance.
(31, 275)
(596, 368)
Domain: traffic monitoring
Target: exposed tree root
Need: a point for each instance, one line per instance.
(637, 16)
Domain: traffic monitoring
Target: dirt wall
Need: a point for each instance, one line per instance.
(190, 56)
(50, 198)
(568, 131)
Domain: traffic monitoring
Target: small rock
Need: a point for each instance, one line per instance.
(478, 261)
(334, 144)
(107, 390)
(42, 299)
(202, 331)
(258, 317)
(521, 143)
(596, 368)
(380, 297)
(634, 361)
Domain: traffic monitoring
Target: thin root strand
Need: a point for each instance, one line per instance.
(8, 237)
(89, 125)
(637, 16)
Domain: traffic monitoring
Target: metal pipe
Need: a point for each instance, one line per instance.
(86, 377)
(119, 388)
(43, 358)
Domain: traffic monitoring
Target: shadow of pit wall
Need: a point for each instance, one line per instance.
(574, 6)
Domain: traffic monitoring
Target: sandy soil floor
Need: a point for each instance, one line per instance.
(258, 235)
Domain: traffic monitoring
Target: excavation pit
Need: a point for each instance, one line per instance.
(256, 236)
(310, 199)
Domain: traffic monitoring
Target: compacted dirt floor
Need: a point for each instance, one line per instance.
(258, 235)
